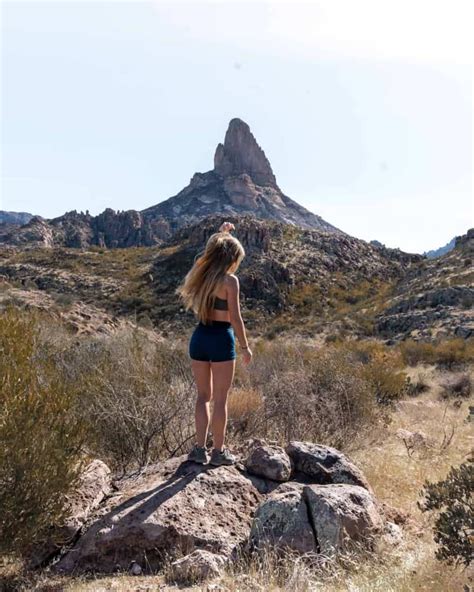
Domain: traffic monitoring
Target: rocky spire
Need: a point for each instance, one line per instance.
(240, 154)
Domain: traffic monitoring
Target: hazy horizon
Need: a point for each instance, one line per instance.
(364, 113)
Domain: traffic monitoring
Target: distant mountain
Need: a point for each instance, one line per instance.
(241, 183)
(441, 251)
(14, 217)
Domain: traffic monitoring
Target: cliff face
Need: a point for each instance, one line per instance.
(76, 229)
(240, 154)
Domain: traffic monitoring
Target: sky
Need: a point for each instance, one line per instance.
(364, 108)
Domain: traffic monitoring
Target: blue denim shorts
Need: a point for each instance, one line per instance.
(213, 343)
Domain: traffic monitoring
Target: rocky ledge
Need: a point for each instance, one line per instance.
(307, 498)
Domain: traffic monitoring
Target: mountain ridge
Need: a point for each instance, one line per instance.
(241, 182)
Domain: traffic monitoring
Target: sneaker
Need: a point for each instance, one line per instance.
(222, 457)
(198, 455)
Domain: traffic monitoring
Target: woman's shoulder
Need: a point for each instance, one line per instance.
(231, 280)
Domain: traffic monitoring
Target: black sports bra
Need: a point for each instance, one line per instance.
(220, 304)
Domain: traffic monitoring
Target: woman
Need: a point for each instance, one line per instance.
(211, 290)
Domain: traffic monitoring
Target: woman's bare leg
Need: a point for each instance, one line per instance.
(203, 378)
(222, 376)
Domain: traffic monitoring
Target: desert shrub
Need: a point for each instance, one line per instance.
(458, 385)
(136, 397)
(448, 353)
(40, 439)
(308, 394)
(244, 410)
(333, 338)
(454, 352)
(416, 352)
(382, 368)
(454, 524)
(417, 385)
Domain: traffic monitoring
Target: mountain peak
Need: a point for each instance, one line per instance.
(241, 154)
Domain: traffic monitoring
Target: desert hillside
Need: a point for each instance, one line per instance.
(313, 283)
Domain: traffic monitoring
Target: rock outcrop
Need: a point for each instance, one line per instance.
(240, 154)
(173, 509)
(201, 516)
(242, 182)
(79, 230)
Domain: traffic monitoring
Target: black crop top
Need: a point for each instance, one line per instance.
(220, 304)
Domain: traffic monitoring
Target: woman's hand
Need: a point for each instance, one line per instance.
(226, 227)
(247, 356)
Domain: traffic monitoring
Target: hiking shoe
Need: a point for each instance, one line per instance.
(222, 457)
(198, 455)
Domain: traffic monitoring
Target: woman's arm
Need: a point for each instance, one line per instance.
(233, 295)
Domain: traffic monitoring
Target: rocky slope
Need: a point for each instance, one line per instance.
(293, 281)
(434, 298)
(433, 253)
(287, 270)
(242, 182)
(14, 217)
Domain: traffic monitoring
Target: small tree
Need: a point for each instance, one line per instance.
(40, 438)
(454, 526)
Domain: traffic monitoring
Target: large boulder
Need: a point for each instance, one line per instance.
(316, 518)
(269, 461)
(324, 465)
(340, 513)
(282, 522)
(171, 509)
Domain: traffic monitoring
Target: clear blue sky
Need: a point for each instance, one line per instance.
(363, 108)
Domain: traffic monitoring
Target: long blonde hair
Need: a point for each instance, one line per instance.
(222, 255)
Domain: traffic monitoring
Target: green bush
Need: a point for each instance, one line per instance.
(454, 526)
(40, 439)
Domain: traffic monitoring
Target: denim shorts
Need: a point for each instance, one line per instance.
(213, 343)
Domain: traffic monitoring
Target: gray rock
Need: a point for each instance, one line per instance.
(324, 464)
(340, 513)
(392, 534)
(196, 567)
(269, 461)
(282, 522)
